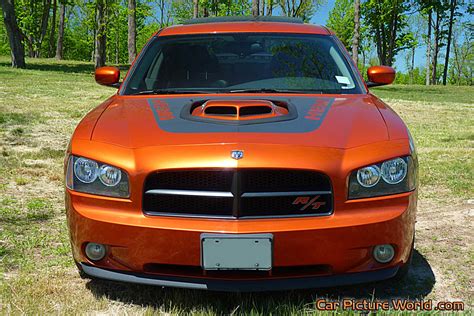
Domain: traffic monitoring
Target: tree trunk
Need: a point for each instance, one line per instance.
(412, 66)
(262, 7)
(59, 46)
(428, 50)
(355, 39)
(117, 48)
(448, 45)
(51, 48)
(393, 34)
(434, 62)
(44, 24)
(255, 7)
(195, 8)
(14, 34)
(270, 7)
(31, 46)
(101, 41)
(132, 30)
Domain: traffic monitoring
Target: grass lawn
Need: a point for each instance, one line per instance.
(39, 108)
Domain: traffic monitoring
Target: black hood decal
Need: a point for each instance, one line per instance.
(311, 112)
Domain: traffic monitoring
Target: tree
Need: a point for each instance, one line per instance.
(414, 27)
(255, 10)
(428, 49)
(341, 21)
(453, 6)
(132, 30)
(463, 59)
(195, 8)
(303, 9)
(51, 48)
(355, 41)
(44, 24)
(62, 16)
(101, 36)
(386, 20)
(32, 19)
(14, 33)
(270, 7)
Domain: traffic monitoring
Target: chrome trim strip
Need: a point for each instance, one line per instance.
(190, 193)
(269, 194)
(230, 217)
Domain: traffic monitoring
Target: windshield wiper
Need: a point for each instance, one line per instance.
(268, 90)
(170, 91)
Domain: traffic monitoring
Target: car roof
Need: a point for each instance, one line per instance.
(244, 25)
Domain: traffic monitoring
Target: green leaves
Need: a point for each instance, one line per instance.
(341, 21)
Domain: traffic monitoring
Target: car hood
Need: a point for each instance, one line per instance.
(318, 121)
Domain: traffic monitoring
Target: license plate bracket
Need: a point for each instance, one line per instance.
(237, 251)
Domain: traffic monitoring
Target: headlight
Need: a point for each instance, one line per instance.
(89, 176)
(109, 176)
(368, 176)
(85, 170)
(389, 177)
(394, 171)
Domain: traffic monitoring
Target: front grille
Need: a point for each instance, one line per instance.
(238, 193)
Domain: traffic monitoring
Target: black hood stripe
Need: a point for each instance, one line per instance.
(311, 112)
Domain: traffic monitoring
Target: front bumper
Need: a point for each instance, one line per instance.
(312, 252)
(242, 285)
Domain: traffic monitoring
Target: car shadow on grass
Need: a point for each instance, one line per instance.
(417, 284)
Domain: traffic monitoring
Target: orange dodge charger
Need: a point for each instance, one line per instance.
(242, 154)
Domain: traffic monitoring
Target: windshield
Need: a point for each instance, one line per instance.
(242, 62)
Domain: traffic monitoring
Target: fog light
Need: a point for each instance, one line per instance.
(95, 252)
(384, 253)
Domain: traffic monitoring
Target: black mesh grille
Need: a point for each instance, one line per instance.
(262, 180)
(191, 180)
(283, 206)
(240, 183)
(182, 204)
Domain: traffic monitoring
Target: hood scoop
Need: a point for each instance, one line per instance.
(240, 110)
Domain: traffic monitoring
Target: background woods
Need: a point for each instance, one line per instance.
(388, 32)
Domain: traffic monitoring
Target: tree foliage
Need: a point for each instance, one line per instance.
(386, 21)
(341, 21)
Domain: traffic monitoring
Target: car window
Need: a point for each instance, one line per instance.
(228, 62)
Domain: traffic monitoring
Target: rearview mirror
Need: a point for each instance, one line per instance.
(108, 76)
(380, 75)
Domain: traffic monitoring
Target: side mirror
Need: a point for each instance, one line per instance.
(108, 76)
(380, 75)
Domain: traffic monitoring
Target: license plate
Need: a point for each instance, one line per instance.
(236, 252)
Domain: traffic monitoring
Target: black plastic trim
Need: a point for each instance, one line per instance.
(261, 285)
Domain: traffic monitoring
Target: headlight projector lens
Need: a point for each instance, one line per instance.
(85, 170)
(368, 176)
(394, 171)
(95, 252)
(110, 176)
(384, 253)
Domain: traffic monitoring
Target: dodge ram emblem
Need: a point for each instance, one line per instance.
(237, 154)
